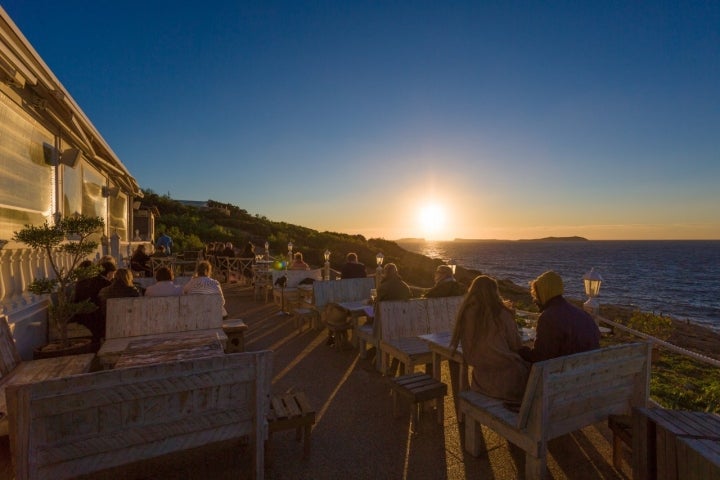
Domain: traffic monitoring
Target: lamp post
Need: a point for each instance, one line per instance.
(378, 271)
(267, 250)
(592, 281)
(290, 245)
(452, 264)
(326, 254)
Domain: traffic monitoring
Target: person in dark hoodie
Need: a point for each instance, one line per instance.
(89, 289)
(562, 328)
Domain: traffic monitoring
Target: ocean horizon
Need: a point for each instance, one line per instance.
(679, 278)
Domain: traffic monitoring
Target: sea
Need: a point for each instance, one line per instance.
(679, 278)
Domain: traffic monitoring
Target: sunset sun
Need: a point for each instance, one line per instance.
(431, 219)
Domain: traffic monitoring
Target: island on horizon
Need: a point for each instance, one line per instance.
(475, 240)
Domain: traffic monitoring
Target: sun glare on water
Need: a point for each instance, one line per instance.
(432, 219)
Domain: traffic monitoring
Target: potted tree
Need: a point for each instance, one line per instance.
(66, 243)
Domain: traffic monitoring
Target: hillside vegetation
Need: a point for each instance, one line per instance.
(191, 228)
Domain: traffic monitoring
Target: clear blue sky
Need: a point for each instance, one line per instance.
(496, 119)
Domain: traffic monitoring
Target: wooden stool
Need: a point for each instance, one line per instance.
(303, 314)
(621, 427)
(417, 389)
(235, 331)
(290, 410)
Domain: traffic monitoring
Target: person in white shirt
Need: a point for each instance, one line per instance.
(164, 286)
(202, 283)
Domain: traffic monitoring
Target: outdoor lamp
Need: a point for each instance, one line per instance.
(326, 254)
(378, 272)
(453, 265)
(592, 281)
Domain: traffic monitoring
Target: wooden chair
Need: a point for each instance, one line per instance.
(14, 371)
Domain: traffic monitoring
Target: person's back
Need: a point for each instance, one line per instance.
(445, 284)
(392, 286)
(562, 328)
(352, 268)
(164, 286)
(165, 241)
(298, 263)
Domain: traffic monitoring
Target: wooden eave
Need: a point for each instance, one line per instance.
(42, 95)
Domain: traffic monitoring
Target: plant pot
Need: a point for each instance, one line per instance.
(76, 346)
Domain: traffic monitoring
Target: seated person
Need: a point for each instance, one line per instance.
(485, 328)
(121, 287)
(88, 289)
(562, 328)
(202, 283)
(248, 251)
(392, 286)
(228, 251)
(164, 286)
(298, 263)
(140, 261)
(159, 252)
(445, 284)
(352, 268)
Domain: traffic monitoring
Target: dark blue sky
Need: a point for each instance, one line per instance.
(514, 119)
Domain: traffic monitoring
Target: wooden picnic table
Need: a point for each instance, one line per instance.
(168, 348)
(664, 440)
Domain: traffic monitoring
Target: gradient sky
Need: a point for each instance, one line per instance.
(514, 119)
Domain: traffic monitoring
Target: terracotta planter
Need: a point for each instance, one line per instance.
(55, 349)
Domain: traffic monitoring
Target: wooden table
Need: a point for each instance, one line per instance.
(439, 344)
(357, 309)
(666, 441)
(161, 349)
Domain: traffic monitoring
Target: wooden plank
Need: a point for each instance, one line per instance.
(137, 316)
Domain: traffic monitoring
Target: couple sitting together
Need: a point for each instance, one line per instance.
(485, 328)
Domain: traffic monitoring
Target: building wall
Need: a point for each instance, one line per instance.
(40, 124)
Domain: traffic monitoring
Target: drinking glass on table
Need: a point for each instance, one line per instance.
(373, 295)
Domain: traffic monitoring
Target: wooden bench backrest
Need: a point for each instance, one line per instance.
(9, 356)
(441, 313)
(294, 277)
(81, 424)
(402, 318)
(567, 393)
(336, 291)
(136, 316)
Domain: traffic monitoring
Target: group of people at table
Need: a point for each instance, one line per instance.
(486, 330)
(113, 282)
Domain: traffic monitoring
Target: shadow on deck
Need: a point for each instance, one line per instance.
(356, 435)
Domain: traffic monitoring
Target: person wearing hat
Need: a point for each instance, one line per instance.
(562, 328)
(445, 284)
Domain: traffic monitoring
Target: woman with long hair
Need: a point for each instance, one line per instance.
(485, 328)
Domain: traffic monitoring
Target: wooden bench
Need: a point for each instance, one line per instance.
(327, 292)
(83, 424)
(291, 410)
(129, 319)
(417, 389)
(562, 395)
(400, 323)
(287, 297)
(14, 371)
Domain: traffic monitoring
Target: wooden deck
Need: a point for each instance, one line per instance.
(355, 434)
